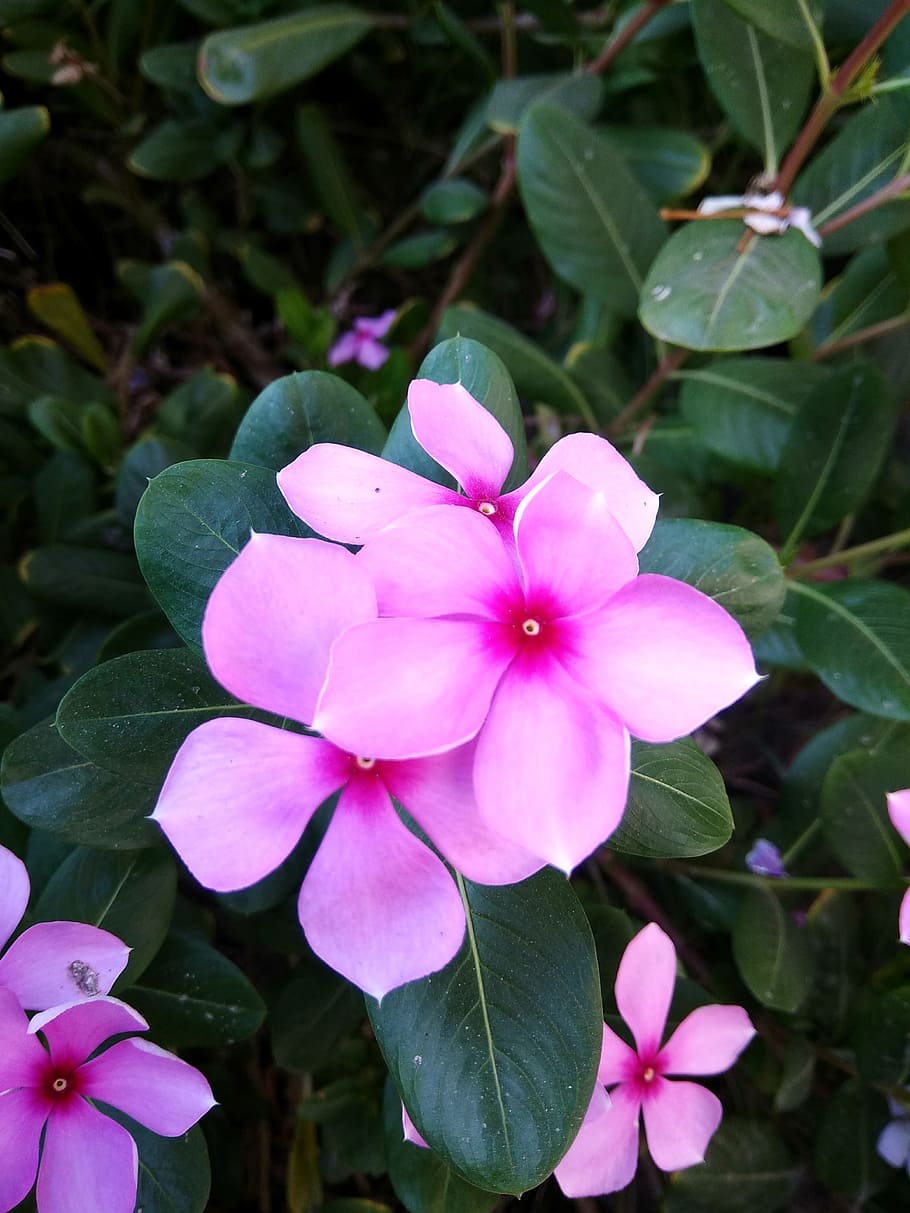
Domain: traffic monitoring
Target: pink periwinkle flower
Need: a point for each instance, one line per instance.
(680, 1117)
(376, 904)
(86, 1160)
(51, 962)
(362, 343)
(550, 654)
(899, 812)
(349, 495)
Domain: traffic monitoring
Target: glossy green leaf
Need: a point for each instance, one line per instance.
(171, 65)
(845, 1155)
(143, 461)
(36, 366)
(170, 294)
(456, 200)
(176, 151)
(855, 635)
(301, 409)
(21, 130)
(594, 223)
(835, 450)
(784, 20)
(315, 1010)
(733, 566)
(59, 421)
(174, 1172)
(747, 1169)
(87, 579)
(510, 100)
(869, 291)
(495, 1056)
(703, 293)
(762, 85)
(670, 164)
(193, 520)
(421, 249)
(677, 805)
(771, 952)
(256, 61)
(57, 305)
(131, 895)
(203, 412)
(854, 816)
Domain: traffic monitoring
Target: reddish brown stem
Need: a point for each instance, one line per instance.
(648, 389)
(625, 36)
(897, 186)
(860, 336)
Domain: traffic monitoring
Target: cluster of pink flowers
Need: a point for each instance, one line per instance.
(482, 660)
(49, 1128)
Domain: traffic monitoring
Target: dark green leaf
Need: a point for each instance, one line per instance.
(21, 130)
(797, 1074)
(882, 1038)
(170, 294)
(845, 1156)
(65, 493)
(670, 164)
(424, 248)
(86, 579)
(171, 65)
(511, 99)
(203, 412)
(316, 1009)
(747, 1169)
(174, 1172)
(328, 173)
(142, 462)
(771, 952)
(176, 151)
(454, 201)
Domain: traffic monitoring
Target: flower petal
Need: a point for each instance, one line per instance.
(345, 349)
(708, 1041)
(462, 436)
(372, 354)
(272, 618)
(438, 792)
(664, 657)
(74, 1031)
(405, 688)
(410, 1130)
(149, 1084)
(22, 1059)
(57, 962)
(618, 1062)
(604, 1156)
(893, 1143)
(438, 562)
(349, 495)
(239, 795)
(680, 1120)
(557, 528)
(376, 904)
(552, 770)
(903, 921)
(595, 462)
(22, 1117)
(376, 326)
(14, 891)
(644, 987)
(899, 812)
(86, 1153)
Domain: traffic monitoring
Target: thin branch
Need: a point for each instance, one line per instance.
(869, 203)
(626, 35)
(887, 543)
(869, 333)
(662, 372)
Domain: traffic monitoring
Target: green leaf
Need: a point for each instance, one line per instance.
(21, 130)
(57, 306)
(315, 1010)
(797, 1074)
(595, 224)
(495, 1056)
(602, 378)
(869, 292)
(171, 65)
(855, 635)
(192, 995)
(203, 412)
(131, 895)
(174, 1172)
(734, 567)
(480, 372)
(328, 173)
(454, 201)
(670, 164)
(747, 1169)
(36, 366)
(882, 1038)
(845, 1155)
(771, 952)
(579, 94)
(51, 787)
(423, 248)
(704, 294)
(176, 151)
(256, 61)
(86, 579)
(65, 494)
(835, 450)
(743, 408)
(143, 461)
(762, 85)
(193, 520)
(301, 409)
(170, 294)
(780, 19)
(677, 806)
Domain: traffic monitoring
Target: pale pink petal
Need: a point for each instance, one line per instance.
(345, 349)
(618, 1062)
(149, 1084)
(376, 326)
(663, 656)
(14, 890)
(899, 812)
(22, 1117)
(573, 553)
(238, 797)
(22, 1059)
(903, 922)
(438, 792)
(348, 495)
(462, 436)
(88, 1161)
(644, 987)
(410, 1131)
(74, 1031)
(273, 615)
(405, 688)
(552, 769)
(372, 354)
(604, 1156)
(440, 561)
(680, 1120)
(596, 463)
(376, 904)
(708, 1041)
(57, 962)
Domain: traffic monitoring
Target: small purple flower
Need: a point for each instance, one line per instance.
(765, 860)
(361, 343)
(893, 1143)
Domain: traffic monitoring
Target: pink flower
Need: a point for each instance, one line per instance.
(376, 903)
(361, 343)
(51, 962)
(899, 812)
(550, 656)
(86, 1160)
(349, 495)
(680, 1117)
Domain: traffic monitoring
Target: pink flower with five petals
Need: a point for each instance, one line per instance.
(362, 343)
(899, 812)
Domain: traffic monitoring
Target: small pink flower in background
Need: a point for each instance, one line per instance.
(86, 1160)
(349, 495)
(362, 343)
(899, 812)
(51, 962)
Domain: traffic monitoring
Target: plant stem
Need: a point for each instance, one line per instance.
(625, 36)
(796, 848)
(887, 543)
(897, 186)
(785, 883)
(833, 98)
(663, 371)
(881, 329)
(818, 46)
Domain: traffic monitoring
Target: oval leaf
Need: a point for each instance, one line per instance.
(771, 953)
